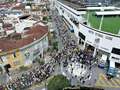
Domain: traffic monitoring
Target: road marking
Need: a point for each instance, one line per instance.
(104, 82)
(113, 81)
(118, 81)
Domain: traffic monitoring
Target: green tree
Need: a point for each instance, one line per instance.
(55, 45)
(58, 82)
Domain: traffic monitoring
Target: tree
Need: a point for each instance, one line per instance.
(58, 82)
(55, 45)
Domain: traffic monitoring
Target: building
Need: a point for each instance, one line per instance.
(101, 42)
(27, 41)
(37, 7)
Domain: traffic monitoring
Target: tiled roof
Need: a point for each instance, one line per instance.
(20, 6)
(6, 5)
(35, 33)
(5, 25)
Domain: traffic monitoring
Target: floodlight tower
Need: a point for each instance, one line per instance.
(100, 26)
(101, 21)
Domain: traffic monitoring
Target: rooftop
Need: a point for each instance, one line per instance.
(33, 33)
(72, 5)
(81, 4)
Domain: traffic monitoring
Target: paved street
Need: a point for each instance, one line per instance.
(3, 78)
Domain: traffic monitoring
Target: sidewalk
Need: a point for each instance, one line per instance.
(3, 78)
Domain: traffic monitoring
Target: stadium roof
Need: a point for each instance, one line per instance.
(100, 8)
(72, 5)
(108, 13)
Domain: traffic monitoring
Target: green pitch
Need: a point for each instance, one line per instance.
(110, 24)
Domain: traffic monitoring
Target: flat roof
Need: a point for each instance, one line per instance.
(70, 4)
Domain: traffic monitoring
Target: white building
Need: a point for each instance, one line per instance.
(100, 41)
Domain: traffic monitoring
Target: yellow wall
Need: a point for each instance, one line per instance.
(15, 62)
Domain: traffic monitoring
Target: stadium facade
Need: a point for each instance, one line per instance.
(102, 43)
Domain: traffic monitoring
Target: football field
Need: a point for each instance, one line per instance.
(110, 24)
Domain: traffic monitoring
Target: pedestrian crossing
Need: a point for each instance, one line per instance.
(104, 82)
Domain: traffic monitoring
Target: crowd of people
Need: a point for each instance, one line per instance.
(27, 79)
(69, 53)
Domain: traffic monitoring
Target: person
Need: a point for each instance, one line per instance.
(10, 78)
(109, 77)
(95, 80)
(83, 81)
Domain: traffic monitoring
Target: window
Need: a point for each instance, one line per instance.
(85, 23)
(109, 38)
(27, 55)
(82, 43)
(79, 41)
(115, 58)
(97, 40)
(117, 65)
(1, 59)
(99, 35)
(36, 52)
(14, 54)
(116, 51)
(62, 11)
(91, 32)
(81, 35)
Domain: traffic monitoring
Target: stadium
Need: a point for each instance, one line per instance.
(96, 27)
